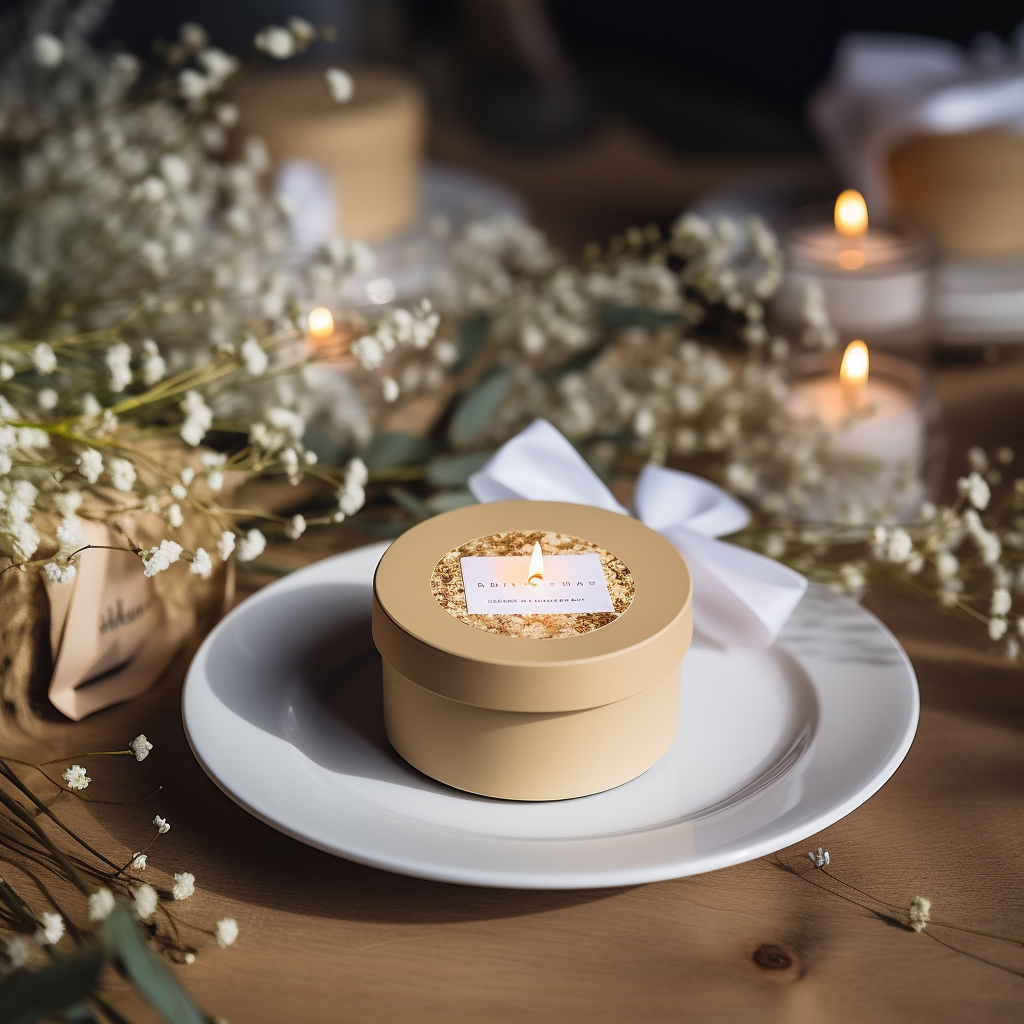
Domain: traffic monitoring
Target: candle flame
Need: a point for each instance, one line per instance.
(853, 373)
(320, 323)
(536, 564)
(851, 214)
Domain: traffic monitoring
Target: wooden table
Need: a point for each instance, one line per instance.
(325, 940)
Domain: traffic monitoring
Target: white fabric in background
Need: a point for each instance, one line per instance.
(885, 88)
(740, 598)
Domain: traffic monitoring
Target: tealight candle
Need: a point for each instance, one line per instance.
(531, 650)
(875, 281)
(873, 419)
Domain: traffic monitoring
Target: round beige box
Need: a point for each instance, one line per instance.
(510, 705)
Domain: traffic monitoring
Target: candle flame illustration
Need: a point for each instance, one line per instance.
(536, 564)
(320, 323)
(853, 373)
(851, 214)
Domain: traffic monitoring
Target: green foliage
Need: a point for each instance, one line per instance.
(455, 470)
(394, 448)
(620, 317)
(124, 943)
(472, 335)
(477, 408)
(58, 987)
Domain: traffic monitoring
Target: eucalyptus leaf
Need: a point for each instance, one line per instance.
(477, 408)
(328, 452)
(472, 335)
(406, 499)
(455, 470)
(395, 449)
(123, 940)
(58, 987)
(448, 500)
(620, 317)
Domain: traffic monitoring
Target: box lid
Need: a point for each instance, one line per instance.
(425, 643)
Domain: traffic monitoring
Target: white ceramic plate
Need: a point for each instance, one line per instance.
(282, 707)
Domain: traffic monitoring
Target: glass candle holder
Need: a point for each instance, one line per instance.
(876, 285)
(886, 448)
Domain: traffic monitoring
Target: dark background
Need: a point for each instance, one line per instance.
(703, 77)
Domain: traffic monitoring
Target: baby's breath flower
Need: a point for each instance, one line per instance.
(251, 546)
(819, 858)
(18, 953)
(340, 84)
(160, 558)
(47, 399)
(1001, 601)
(276, 42)
(296, 527)
(76, 778)
(101, 903)
(140, 747)
(175, 518)
(122, 474)
(253, 357)
(997, 628)
(920, 912)
(202, 564)
(184, 885)
(226, 545)
(145, 900)
(59, 573)
(227, 932)
(139, 861)
(975, 489)
(6, 371)
(389, 389)
(43, 359)
(47, 50)
(163, 826)
(51, 929)
(189, 957)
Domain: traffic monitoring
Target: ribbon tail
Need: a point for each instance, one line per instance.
(740, 598)
(540, 464)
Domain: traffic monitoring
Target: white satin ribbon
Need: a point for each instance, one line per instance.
(884, 88)
(740, 598)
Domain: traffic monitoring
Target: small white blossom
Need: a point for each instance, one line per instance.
(138, 862)
(920, 912)
(296, 527)
(140, 747)
(198, 418)
(122, 474)
(202, 564)
(946, 565)
(18, 953)
(997, 628)
(51, 930)
(145, 900)
(47, 399)
(76, 778)
(301, 29)
(819, 858)
(47, 50)
(975, 489)
(101, 903)
(276, 42)
(44, 359)
(254, 358)
(60, 573)
(251, 546)
(184, 885)
(153, 365)
(6, 371)
(340, 85)
(389, 389)
(899, 546)
(90, 464)
(227, 932)
(175, 518)
(192, 86)
(163, 826)
(192, 35)
(226, 545)
(160, 558)
(1001, 601)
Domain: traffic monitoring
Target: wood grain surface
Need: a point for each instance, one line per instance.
(324, 940)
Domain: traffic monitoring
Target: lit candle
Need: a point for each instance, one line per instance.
(873, 280)
(538, 660)
(326, 339)
(868, 419)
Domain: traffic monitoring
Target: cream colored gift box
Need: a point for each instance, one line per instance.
(528, 717)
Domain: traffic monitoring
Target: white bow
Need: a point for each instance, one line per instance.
(740, 598)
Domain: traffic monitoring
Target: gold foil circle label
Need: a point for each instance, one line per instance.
(447, 586)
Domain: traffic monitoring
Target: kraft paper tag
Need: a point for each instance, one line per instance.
(111, 635)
